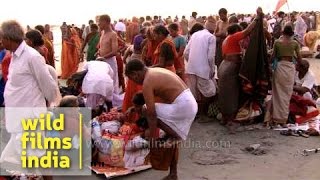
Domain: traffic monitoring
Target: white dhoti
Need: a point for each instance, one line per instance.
(180, 114)
(113, 63)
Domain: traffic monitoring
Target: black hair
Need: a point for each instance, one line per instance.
(280, 13)
(134, 65)
(196, 27)
(244, 25)
(138, 99)
(183, 17)
(40, 28)
(94, 26)
(304, 64)
(160, 29)
(233, 29)
(166, 52)
(35, 37)
(223, 11)
(174, 26)
(143, 30)
(194, 14)
(155, 17)
(69, 101)
(91, 21)
(233, 19)
(148, 18)
(288, 31)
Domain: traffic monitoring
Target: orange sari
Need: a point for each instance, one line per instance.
(50, 56)
(131, 90)
(70, 55)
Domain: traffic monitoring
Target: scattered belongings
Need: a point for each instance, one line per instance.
(296, 133)
(307, 152)
(256, 149)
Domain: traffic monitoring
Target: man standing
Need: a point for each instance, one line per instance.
(109, 48)
(29, 85)
(192, 20)
(178, 108)
(200, 54)
(221, 34)
(87, 30)
(184, 27)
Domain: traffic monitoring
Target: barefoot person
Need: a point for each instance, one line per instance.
(109, 47)
(178, 110)
(228, 72)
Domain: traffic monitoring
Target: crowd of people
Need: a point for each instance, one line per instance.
(180, 66)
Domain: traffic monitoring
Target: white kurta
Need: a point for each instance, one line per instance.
(307, 81)
(98, 79)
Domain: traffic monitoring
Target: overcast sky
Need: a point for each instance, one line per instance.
(79, 11)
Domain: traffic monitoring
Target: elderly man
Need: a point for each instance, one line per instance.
(109, 48)
(176, 112)
(29, 85)
(200, 54)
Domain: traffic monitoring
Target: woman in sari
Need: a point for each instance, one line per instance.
(180, 44)
(92, 40)
(150, 47)
(132, 87)
(166, 55)
(70, 54)
(285, 50)
(228, 72)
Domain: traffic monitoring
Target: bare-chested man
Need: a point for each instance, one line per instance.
(178, 108)
(109, 47)
(221, 34)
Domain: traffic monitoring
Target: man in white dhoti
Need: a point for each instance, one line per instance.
(200, 54)
(98, 83)
(178, 108)
(30, 87)
(108, 48)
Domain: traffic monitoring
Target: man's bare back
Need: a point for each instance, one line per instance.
(108, 41)
(164, 84)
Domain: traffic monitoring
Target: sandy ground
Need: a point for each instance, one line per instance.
(211, 153)
(216, 155)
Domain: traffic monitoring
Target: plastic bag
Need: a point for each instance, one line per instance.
(111, 127)
(135, 158)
